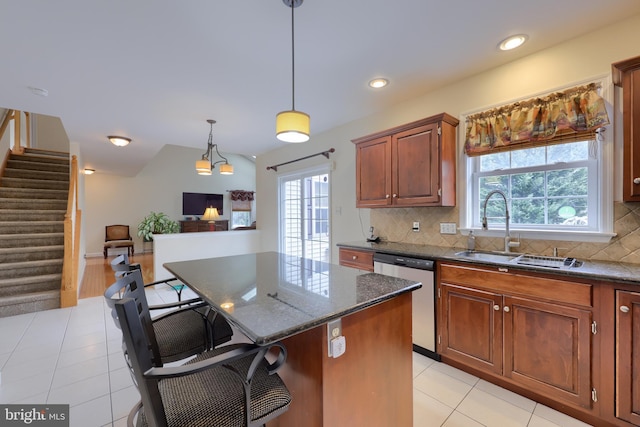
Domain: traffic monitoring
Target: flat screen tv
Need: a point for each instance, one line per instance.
(196, 203)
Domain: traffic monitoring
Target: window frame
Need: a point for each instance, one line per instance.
(600, 232)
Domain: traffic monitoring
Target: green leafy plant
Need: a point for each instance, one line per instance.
(156, 223)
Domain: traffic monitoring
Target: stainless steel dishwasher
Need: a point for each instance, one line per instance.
(424, 318)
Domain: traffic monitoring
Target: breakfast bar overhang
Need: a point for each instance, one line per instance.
(273, 297)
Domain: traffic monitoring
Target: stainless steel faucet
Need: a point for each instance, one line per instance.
(508, 244)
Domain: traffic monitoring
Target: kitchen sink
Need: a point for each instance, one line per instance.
(489, 256)
(521, 259)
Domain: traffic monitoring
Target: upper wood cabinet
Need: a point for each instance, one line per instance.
(627, 75)
(409, 165)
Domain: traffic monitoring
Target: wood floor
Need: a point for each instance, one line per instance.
(98, 274)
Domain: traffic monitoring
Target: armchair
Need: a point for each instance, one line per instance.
(117, 236)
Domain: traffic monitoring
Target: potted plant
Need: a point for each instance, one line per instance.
(156, 223)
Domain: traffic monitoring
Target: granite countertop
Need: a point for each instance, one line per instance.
(599, 270)
(270, 296)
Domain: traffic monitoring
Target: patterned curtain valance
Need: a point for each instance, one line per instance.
(242, 195)
(572, 115)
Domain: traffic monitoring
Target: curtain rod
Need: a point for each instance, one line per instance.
(323, 153)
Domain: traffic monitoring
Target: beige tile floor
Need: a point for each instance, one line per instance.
(74, 356)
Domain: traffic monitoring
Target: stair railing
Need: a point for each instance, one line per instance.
(15, 116)
(72, 222)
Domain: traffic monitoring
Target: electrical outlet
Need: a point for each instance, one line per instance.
(334, 330)
(416, 226)
(447, 228)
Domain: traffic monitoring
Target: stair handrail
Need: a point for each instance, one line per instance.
(72, 222)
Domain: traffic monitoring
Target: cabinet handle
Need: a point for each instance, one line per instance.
(636, 180)
(624, 309)
(506, 308)
(496, 307)
(395, 195)
(354, 258)
(386, 196)
(503, 270)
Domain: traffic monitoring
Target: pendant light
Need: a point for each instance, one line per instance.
(292, 125)
(206, 163)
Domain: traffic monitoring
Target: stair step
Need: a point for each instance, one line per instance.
(31, 193)
(35, 174)
(32, 215)
(34, 253)
(41, 157)
(11, 182)
(14, 203)
(16, 270)
(31, 240)
(38, 166)
(29, 303)
(46, 153)
(31, 227)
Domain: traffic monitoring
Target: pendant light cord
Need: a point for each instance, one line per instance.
(293, 61)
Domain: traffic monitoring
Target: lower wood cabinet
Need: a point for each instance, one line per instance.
(525, 330)
(200, 226)
(355, 258)
(628, 356)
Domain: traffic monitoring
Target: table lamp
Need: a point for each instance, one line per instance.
(211, 214)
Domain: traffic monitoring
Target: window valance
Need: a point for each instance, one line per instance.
(572, 115)
(241, 200)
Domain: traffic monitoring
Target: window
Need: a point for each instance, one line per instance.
(304, 215)
(557, 187)
(550, 187)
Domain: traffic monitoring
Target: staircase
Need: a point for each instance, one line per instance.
(33, 202)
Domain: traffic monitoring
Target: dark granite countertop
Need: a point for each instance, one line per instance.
(598, 270)
(274, 296)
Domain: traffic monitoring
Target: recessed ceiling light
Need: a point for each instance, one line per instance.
(378, 83)
(513, 42)
(119, 141)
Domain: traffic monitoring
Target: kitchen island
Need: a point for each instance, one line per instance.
(274, 297)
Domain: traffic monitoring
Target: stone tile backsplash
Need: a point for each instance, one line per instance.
(394, 224)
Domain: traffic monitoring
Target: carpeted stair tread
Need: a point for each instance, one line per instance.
(31, 239)
(29, 303)
(31, 253)
(7, 215)
(17, 270)
(36, 175)
(32, 193)
(36, 166)
(29, 151)
(40, 158)
(16, 203)
(10, 182)
(32, 227)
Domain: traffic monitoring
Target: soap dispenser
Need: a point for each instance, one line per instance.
(471, 241)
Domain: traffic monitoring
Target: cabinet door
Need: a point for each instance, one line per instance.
(547, 348)
(471, 327)
(631, 132)
(628, 356)
(373, 173)
(415, 167)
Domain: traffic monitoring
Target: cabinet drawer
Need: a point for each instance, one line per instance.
(362, 260)
(519, 283)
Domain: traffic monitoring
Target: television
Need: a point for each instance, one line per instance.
(196, 203)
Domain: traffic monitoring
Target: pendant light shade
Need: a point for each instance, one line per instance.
(292, 126)
(226, 169)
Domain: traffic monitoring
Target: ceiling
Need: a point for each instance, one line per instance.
(156, 70)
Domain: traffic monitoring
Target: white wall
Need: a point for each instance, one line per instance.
(112, 199)
(576, 60)
(188, 246)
